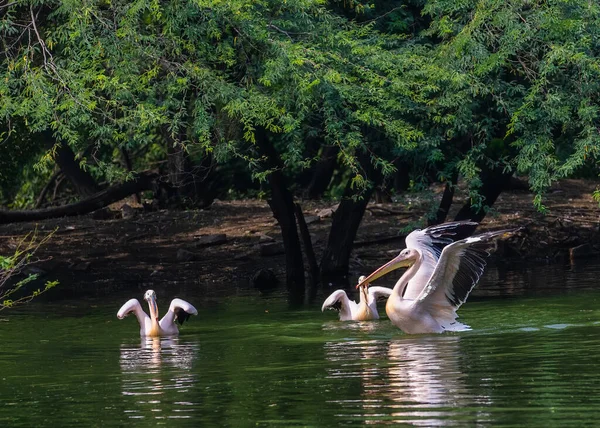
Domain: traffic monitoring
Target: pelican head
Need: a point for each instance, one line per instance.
(406, 258)
(149, 296)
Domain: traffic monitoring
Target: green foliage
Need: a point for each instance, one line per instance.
(121, 74)
(596, 195)
(527, 73)
(13, 266)
(441, 84)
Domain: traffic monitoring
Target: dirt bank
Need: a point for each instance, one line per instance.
(98, 256)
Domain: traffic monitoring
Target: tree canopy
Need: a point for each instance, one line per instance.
(442, 87)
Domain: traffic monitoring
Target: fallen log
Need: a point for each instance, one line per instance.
(144, 181)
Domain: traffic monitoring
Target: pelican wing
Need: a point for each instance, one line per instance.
(430, 242)
(460, 266)
(376, 293)
(435, 238)
(132, 305)
(179, 311)
(337, 300)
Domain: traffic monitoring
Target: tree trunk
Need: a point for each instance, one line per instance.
(493, 183)
(347, 218)
(382, 195)
(282, 205)
(46, 188)
(99, 200)
(402, 177)
(188, 183)
(446, 201)
(308, 247)
(82, 181)
(128, 166)
(336, 257)
(322, 172)
(179, 172)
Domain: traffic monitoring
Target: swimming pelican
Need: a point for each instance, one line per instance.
(365, 309)
(440, 276)
(150, 326)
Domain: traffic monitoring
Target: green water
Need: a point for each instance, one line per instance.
(532, 359)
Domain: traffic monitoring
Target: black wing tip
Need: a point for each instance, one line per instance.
(452, 225)
(502, 233)
(336, 306)
(477, 248)
(181, 316)
(451, 231)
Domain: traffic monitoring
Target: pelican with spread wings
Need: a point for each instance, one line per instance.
(441, 273)
(364, 310)
(150, 326)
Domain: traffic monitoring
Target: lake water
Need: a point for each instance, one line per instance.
(531, 359)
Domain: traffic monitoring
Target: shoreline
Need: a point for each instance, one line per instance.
(155, 249)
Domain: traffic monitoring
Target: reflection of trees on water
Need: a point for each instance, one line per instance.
(413, 380)
(519, 279)
(156, 375)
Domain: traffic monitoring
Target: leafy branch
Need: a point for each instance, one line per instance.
(16, 264)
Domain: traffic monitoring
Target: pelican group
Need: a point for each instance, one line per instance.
(440, 275)
(364, 310)
(150, 326)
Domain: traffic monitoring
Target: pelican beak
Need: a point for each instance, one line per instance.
(395, 263)
(364, 290)
(364, 287)
(153, 306)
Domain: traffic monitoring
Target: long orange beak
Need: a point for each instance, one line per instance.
(395, 263)
(153, 307)
(364, 290)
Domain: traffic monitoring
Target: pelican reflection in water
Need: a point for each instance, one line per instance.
(364, 310)
(153, 373)
(150, 326)
(427, 380)
(153, 353)
(440, 275)
(414, 380)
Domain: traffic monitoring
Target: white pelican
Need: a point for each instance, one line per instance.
(150, 325)
(365, 309)
(425, 299)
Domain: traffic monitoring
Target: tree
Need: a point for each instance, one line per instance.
(520, 74)
(475, 89)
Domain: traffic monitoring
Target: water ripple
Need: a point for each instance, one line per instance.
(158, 368)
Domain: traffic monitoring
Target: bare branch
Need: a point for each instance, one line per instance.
(287, 33)
(381, 16)
(4, 6)
(40, 40)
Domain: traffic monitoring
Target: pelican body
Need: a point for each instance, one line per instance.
(364, 310)
(150, 326)
(440, 275)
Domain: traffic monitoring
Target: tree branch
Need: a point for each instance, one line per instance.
(105, 197)
(381, 16)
